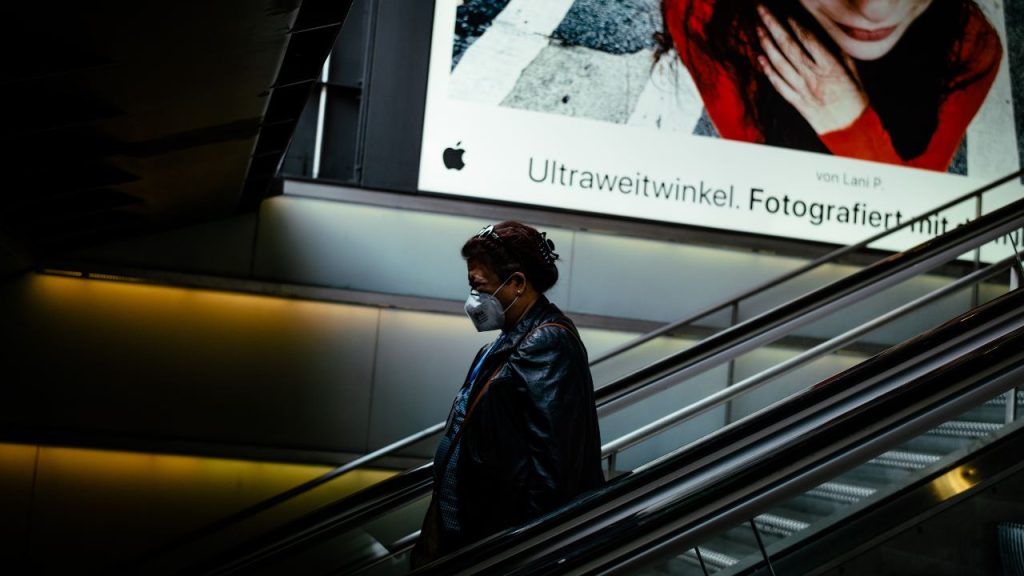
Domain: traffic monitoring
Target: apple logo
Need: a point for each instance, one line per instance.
(453, 157)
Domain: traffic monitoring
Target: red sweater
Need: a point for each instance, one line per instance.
(979, 54)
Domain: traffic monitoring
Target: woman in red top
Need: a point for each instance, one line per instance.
(894, 81)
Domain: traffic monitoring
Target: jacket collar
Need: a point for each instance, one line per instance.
(534, 317)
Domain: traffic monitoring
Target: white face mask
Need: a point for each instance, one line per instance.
(485, 310)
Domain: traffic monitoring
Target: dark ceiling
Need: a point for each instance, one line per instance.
(126, 117)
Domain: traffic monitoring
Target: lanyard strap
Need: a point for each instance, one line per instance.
(480, 363)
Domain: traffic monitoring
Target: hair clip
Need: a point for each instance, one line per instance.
(547, 248)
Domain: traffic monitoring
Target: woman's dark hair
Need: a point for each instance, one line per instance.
(906, 87)
(511, 247)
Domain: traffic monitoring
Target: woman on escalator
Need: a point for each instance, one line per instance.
(522, 436)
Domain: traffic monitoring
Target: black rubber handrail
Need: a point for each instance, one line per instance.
(342, 514)
(819, 261)
(737, 389)
(765, 327)
(820, 422)
(336, 518)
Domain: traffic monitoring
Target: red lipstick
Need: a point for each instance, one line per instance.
(866, 35)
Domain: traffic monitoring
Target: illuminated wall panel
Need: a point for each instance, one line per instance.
(93, 509)
(188, 364)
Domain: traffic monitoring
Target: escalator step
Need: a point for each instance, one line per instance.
(890, 468)
(839, 492)
(905, 460)
(779, 525)
(952, 435)
(714, 560)
(966, 429)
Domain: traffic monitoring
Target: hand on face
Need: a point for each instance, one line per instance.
(808, 76)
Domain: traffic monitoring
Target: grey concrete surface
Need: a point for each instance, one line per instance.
(579, 81)
(615, 26)
(472, 19)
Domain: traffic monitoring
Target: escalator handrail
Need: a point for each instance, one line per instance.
(766, 327)
(338, 517)
(350, 510)
(708, 349)
(819, 261)
(735, 390)
(635, 489)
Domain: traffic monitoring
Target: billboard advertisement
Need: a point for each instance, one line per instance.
(819, 120)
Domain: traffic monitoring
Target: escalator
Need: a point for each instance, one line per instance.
(372, 530)
(931, 455)
(798, 472)
(783, 461)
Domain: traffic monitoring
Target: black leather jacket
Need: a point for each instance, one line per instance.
(532, 442)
